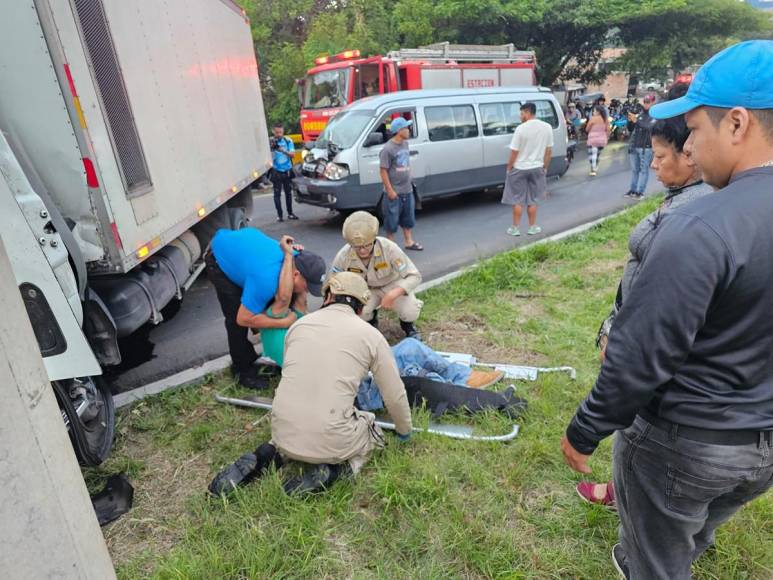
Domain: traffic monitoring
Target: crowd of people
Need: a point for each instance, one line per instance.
(686, 382)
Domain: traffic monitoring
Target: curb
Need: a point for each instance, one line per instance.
(195, 374)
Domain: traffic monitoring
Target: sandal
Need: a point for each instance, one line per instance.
(416, 246)
(585, 490)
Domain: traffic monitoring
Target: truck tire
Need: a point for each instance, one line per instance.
(92, 431)
(237, 218)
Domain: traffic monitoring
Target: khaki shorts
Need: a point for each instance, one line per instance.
(524, 186)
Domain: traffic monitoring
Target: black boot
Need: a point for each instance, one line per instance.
(316, 478)
(250, 378)
(374, 321)
(248, 467)
(410, 330)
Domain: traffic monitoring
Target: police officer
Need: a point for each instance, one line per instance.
(282, 150)
(314, 420)
(389, 273)
(245, 266)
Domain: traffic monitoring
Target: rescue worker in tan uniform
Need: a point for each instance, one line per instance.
(391, 276)
(314, 420)
(327, 354)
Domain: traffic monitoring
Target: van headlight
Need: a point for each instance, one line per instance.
(335, 172)
(304, 153)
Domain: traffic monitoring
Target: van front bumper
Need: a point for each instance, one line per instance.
(343, 194)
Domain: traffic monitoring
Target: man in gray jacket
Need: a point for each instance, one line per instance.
(688, 377)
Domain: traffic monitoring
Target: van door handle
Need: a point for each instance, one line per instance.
(414, 153)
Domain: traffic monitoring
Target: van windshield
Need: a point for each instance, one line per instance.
(344, 129)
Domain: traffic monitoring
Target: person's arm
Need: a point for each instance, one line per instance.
(385, 163)
(687, 268)
(248, 319)
(512, 160)
(547, 158)
(284, 292)
(390, 385)
(515, 145)
(409, 279)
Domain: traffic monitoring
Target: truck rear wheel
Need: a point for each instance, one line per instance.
(89, 414)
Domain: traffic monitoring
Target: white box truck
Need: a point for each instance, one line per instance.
(131, 130)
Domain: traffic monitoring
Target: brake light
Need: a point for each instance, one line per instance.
(116, 237)
(91, 174)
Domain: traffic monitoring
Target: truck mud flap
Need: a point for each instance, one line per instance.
(100, 330)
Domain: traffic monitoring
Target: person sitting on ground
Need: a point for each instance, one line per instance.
(677, 172)
(314, 420)
(389, 273)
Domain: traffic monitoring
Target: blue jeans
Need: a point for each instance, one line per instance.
(414, 359)
(672, 493)
(640, 159)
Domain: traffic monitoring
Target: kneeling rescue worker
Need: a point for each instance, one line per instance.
(314, 420)
(390, 275)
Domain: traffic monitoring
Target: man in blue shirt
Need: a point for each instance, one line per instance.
(282, 150)
(245, 267)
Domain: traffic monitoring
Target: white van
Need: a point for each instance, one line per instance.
(459, 142)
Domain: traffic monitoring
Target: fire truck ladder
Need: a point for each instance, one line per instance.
(446, 52)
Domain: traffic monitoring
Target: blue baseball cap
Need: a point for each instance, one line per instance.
(399, 123)
(739, 76)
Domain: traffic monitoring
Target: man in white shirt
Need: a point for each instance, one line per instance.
(530, 152)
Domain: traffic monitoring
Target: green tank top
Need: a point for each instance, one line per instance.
(273, 339)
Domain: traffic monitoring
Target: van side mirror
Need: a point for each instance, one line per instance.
(374, 139)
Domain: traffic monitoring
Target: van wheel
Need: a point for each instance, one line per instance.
(89, 414)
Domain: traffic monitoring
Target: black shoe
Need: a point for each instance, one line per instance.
(374, 321)
(619, 560)
(251, 379)
(630, 193)
(292, 216)
(316, 478)
(248, 467)
(279, 218)
(410, 330)
(637, 196)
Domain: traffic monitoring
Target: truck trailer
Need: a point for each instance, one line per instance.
(130, 131)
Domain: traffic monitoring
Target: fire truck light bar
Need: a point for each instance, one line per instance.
(345, 55)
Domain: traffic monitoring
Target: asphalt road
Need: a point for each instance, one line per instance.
(455, 231)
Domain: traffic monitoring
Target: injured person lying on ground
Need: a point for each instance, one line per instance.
(314, 420)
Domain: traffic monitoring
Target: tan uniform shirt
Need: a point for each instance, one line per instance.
(327, 354)
(388, 263)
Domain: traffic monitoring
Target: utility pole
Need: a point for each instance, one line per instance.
(48, 528)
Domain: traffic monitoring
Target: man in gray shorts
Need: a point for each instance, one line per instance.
(530, 152)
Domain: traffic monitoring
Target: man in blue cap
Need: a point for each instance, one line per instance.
(688, 377)
(398, 206)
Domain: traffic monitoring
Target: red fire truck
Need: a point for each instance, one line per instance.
(340, 79)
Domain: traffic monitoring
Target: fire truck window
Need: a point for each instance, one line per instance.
(546, 112)
(447, 123)
(368, 81)
(327, 89)
(500, 118)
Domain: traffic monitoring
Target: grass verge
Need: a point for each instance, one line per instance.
(433, 507)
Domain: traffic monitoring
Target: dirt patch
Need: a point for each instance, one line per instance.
(597, 267)
(161, 495)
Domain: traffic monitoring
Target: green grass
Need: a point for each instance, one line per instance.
(431, 508)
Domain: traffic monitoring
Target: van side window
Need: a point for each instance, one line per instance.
(447, 123)
(386, 119)
(546, 112)
(500, 118)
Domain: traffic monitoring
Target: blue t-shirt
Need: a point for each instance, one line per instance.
(252, 261)
(281, 161)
